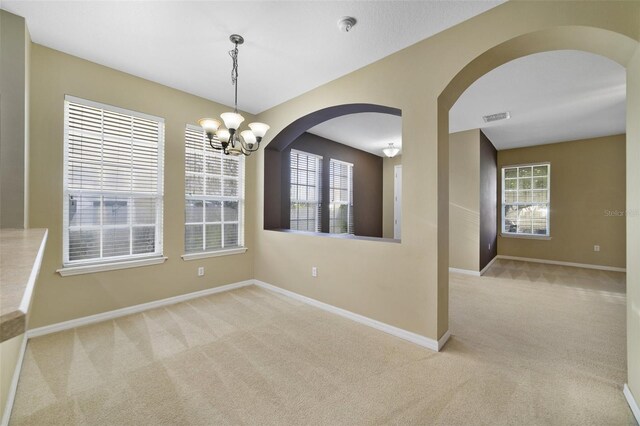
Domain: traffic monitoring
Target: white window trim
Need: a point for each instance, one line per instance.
(318, 188)
(110, 266)
(241, 248)
(546, 236)
(129, 261)
(525, 236)
(349, 203)
(215, 253)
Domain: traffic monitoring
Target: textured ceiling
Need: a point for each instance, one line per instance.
(291, 46)
(369, 131)
(552, 97)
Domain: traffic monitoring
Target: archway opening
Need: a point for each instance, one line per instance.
(614, 46)
(330, 173)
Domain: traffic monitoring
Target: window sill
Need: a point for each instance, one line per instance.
(218, 253)
(526, 237)
(337, 236)
(103, 267)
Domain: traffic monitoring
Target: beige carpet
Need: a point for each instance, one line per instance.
(532, 344)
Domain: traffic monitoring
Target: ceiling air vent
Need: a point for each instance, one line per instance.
(496, 117)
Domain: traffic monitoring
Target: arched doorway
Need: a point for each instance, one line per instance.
(612, 45)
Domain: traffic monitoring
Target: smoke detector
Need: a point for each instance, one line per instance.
(346, 23)
(496, 117)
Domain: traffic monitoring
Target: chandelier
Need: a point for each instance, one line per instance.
(228, 140)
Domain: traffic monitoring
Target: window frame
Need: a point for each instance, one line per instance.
(241, 179)
(349, 204)
(547, 204)
(318, 191)
(73, 267)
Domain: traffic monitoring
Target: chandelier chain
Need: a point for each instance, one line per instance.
(234, 75)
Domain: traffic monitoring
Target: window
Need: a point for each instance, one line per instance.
(214, 196)
(525, 199)
(113, 180)
(341, 193)
(305, 191)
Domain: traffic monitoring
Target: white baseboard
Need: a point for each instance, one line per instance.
(558, 262)
(444, 339)
(489, 265)
(394, 331)
(465, 271)
(11, 394)
(632, 402)
(104, 316)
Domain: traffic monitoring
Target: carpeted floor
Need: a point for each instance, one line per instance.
(532, 344)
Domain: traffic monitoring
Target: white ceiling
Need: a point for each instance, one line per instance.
(369, 131)
(552, 97)
(294, 46)
(290, 47)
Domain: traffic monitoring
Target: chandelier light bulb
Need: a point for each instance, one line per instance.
(259, 129)
(248, 137)
(223, 135)
(210, 125)
(232, 120)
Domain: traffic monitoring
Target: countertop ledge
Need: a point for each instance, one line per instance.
(21, 252)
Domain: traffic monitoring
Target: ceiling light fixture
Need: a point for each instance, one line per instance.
(228, 140)
(391, 151)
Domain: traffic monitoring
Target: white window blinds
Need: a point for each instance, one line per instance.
(341, 193)
(305, 186)
(525, 199)
(113, 183)
(214, 189)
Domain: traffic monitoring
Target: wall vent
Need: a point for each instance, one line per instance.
(496, 117)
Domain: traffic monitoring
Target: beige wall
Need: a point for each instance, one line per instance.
(464, 200)
(587, 181)
(14, 116)
(388, 185)
(54, 75)
(406, 284)
(9, 354)
(633, 225)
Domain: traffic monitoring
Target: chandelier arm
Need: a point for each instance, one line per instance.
(256, 145)
(213, 146)
(245, 146)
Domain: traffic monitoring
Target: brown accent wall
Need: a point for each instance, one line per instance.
(367, 183)
(587, 201)
(488, 201)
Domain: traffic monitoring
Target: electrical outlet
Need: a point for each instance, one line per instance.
(596, 248)
(314, 271)
(201, 271)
